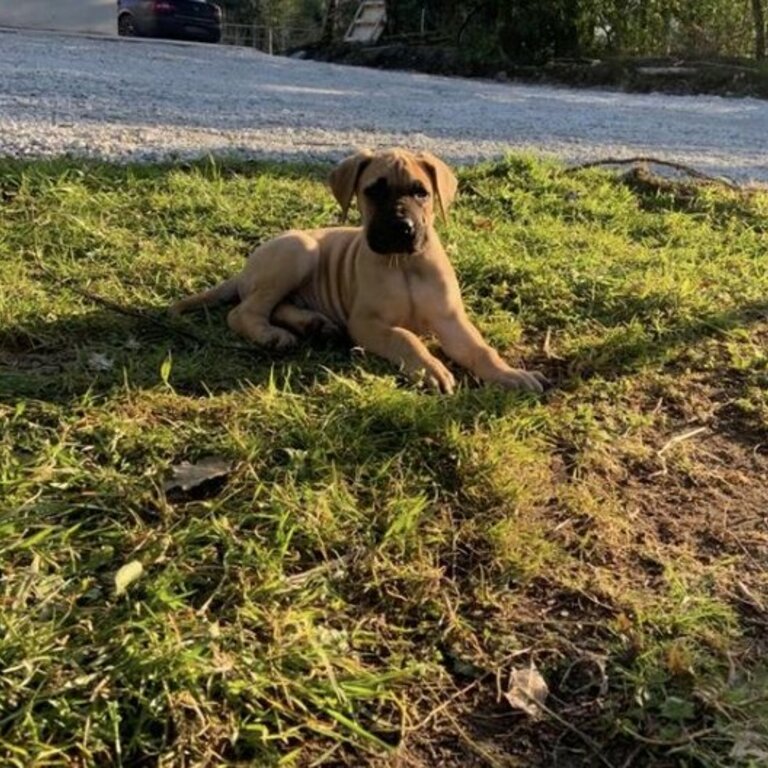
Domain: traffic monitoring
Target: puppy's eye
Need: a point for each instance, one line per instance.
(419, 192)
(377, 190)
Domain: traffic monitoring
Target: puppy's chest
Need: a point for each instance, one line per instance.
(338, 290)
(397, 297)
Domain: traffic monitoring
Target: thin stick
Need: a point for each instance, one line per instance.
(478, 749)
(443, 705)
(547, 346)
(679, 742)
(632, 755)
(680, 438)
(596, 750)
(656, 161)
(329, 566)
(147, 317)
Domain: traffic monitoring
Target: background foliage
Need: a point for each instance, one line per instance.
(537, 30)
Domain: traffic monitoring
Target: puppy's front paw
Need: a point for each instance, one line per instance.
(528, 381)
(323, 326)
(277, 338)
(437, 377)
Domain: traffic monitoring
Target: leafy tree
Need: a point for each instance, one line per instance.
(758, 17)
(330, 21)
(537, 30)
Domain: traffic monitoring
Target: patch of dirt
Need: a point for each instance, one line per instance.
(696, 499)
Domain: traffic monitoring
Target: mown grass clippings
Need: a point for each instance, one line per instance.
(378, 560)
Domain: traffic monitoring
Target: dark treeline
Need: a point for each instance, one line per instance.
(535, 30)
(538, 30)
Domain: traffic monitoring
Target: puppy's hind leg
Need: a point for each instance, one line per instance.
(305, 322)
(225, 292)
(275, 270)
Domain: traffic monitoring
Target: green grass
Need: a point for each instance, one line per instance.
(359, 588)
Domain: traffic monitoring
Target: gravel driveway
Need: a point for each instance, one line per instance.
(147, 100)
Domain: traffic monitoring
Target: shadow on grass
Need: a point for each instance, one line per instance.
(54, 358)
(102, 350)
(626, 348)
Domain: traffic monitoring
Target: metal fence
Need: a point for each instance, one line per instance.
(268, 39)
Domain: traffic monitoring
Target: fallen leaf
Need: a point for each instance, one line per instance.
(126, 575)
(528, 690)
(98, 361)
(484, 223)
(750, 745)
(186, 476)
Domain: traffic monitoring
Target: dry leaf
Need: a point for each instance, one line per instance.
(751, 745)
(186, 476)
(484, 223)
(127, 575)
(528, 690)
(98, 361)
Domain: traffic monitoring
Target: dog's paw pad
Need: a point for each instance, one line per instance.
(526, 381)
(321, 326)
(437, 377)
(328, 328)
(277, 338)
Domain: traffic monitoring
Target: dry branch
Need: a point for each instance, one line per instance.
(152, 318)
(647, 160)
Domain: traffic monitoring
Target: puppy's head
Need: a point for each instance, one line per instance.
(397, 193)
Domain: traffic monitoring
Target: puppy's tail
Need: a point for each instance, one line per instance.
(226, 291)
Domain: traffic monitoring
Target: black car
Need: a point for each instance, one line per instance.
(178, 19)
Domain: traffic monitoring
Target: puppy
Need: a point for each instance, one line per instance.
(388, 282)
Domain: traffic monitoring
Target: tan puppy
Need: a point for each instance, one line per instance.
(387, 282)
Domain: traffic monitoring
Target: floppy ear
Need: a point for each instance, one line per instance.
(444, 182)
(344, 177)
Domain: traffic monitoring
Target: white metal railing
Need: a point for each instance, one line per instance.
(268, 39)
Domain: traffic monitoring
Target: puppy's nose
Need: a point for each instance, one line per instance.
(405, 226)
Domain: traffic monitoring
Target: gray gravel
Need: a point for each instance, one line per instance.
(148, 100)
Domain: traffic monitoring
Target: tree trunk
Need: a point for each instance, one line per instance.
(759, 19)
(393, 26)
(330, 22)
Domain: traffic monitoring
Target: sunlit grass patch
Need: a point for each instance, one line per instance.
(377, 560)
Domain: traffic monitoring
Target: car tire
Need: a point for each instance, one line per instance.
(125, 26)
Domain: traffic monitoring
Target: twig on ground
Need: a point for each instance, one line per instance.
(673, 441)
(152, 318)
(631, 756)
(638, 159)
(328, 567)
(594, 748)
(478, 749)
(445, 704)
(680, 438)
(748, 597)
(679, 742)
(547, 347)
